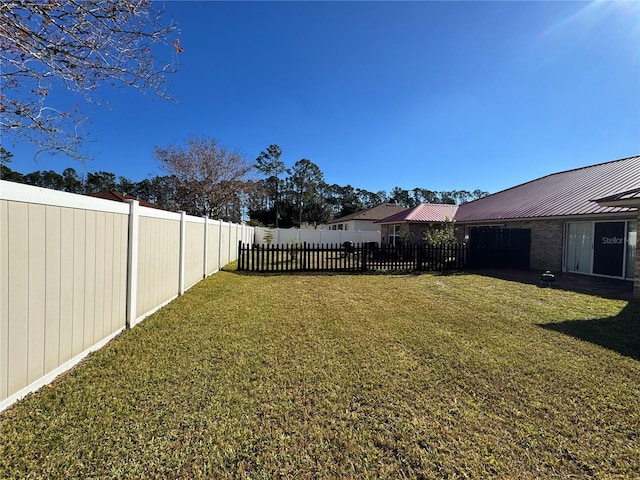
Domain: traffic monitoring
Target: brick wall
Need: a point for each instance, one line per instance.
(416, 231)
(546, 243)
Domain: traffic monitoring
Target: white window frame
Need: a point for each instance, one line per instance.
(393, 234)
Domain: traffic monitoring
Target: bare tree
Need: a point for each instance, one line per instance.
(211, 176)
(76, 45)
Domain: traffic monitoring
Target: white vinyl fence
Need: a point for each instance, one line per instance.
(76, 270)
(285, 236)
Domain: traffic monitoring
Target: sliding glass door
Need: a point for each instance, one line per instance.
(579, 247)
(602, 248)
(630, 259)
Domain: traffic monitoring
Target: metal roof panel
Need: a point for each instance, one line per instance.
(559, 194)
(423, 213)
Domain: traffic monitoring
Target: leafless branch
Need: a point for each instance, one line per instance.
(211, 175)
(78, 45)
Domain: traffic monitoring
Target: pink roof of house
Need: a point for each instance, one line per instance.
(423, 213)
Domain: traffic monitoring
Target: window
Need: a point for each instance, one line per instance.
(393, 236)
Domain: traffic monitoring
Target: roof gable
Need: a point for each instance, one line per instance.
(560, 194)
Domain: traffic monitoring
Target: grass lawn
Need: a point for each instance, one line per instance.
(321, 376)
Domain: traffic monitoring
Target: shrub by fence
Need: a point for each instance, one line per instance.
(76, 270)
(349, 257)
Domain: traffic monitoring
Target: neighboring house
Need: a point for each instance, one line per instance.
(119, 197)
(409, 225)
(583, 220)
(364, 220)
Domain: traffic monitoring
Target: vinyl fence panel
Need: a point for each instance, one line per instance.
(233, 240)
(158, 261)
(65, 352)
(4, 300)
(194, 251)
(17, 301)
(225, 256)
(76, 270)
(62, 280)
(213, 243)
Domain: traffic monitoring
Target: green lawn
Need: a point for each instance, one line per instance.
(373, 376)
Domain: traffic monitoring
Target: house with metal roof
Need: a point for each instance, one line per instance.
(583, 220)
(364, 220)
(409, 225)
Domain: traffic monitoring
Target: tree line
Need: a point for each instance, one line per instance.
(288, 197)
(206, 179)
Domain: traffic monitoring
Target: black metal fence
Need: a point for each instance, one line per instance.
(349, 257)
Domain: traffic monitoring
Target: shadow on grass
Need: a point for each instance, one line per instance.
(620, 333)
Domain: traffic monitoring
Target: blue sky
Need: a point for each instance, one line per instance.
(438, 95)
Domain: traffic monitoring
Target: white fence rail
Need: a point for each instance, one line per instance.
(76, 270)
(284, 236)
